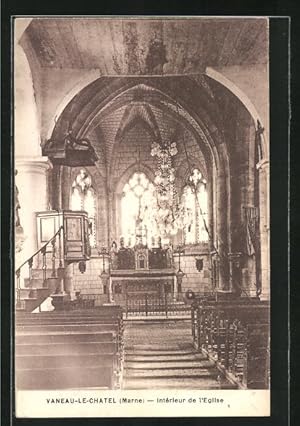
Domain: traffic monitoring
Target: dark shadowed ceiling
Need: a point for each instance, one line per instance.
(160, 108)
(148, 46)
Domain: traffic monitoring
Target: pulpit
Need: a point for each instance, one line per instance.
(75, 245)
(71, 245)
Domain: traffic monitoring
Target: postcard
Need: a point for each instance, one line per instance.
(142, 219)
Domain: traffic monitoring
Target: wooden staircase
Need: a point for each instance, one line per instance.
(44, 275)
(36, 291)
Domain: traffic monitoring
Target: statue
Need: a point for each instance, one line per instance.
(17, 205)
(82, 180)
(169, 253)
(113, 253)
(114, 247)
(259, 140)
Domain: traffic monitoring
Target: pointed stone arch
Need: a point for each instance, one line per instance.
(180, 99)
(244, 99)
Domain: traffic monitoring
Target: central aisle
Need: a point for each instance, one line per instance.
(160, 355)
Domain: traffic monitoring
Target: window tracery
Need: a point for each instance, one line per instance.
(195, 206)
(83, 197)
(137, 209)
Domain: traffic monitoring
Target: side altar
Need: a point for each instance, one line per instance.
(140, 270)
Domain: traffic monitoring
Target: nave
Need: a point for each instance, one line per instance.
(161, 355)
(98, 349)
(141, 203)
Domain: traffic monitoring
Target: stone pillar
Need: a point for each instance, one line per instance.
(222, 229)
(65, 187)
(109, 217)
(68, 281)
(113, 223)
(235, 272)
(31, 181)
(264, 226)
(118, 225)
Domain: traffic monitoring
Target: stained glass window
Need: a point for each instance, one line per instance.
(83, 197)
(137, 209)
(194, 201)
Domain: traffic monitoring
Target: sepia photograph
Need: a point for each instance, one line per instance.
(142, 219)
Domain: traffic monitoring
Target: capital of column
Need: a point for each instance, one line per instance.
(262, 164)
(38, 165)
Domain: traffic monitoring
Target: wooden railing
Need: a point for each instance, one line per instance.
(56, 261)
(236, 336)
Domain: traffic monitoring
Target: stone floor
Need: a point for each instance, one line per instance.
(160, 355)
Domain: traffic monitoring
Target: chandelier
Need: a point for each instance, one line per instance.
(169, 212)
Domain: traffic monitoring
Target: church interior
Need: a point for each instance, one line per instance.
(141, 203)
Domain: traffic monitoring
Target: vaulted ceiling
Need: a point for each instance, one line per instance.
(147, 67)
(146, 108)
(135, 46)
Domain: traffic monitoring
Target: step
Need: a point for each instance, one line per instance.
(76, 361)
(173, 373)
(175, 383)
(155, 350)
(34, 282)
(64, 378)
(193, 356)
(38, 273)
(40, 282)
(154, 320)
(25, 291)
(64, 349)
(63, 337)
(187, 365)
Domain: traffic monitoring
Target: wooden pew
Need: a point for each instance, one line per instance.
(236, 334)
(104, 314)
(60, 350)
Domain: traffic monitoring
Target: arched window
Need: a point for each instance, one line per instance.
(84, 198)
(137, 210)
(194, 201)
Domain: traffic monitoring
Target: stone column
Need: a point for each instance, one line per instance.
(222, 230)
(68, 287)
(31, 181)
(264, 226)
(235, 272)
(109, 217)
(117, 213)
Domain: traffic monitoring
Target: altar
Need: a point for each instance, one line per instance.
(139, 270)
